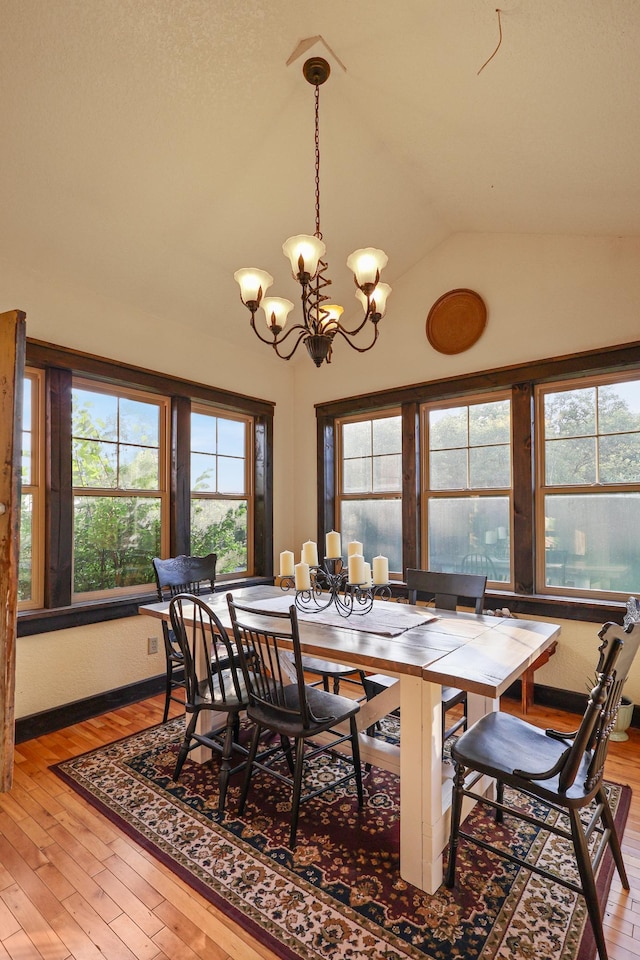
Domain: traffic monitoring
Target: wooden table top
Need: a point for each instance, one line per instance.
(480, 654)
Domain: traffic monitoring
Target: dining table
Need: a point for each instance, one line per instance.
(423, 648)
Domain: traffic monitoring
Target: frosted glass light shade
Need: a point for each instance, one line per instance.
(276, 310)
(306, 249)
(378, 299)
(253, 283)
(329, 323)
(366, 264)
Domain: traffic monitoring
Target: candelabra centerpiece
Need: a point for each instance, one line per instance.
(350, 589)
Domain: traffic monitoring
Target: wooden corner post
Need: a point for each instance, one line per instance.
(12, 352)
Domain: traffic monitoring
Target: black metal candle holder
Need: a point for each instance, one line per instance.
(330, 585)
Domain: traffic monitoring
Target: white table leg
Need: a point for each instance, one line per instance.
(423, 822)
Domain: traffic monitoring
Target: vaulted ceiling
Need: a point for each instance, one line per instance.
(152, 147)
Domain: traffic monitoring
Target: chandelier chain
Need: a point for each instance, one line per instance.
(317, 146)
(320, 324)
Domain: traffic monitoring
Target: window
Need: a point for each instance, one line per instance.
(30, 566)
(467, 487)
(119, 466)
(369, 485)
(220, 485)
(116, 445)
(589, 486)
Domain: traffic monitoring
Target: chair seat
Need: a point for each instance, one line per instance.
(504, 747)
(451, 696)
(327, 709)
(316, 665)
(222, 680)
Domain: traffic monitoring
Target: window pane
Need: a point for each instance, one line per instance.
(387, 435)
(95, 464)
(356, 476)
(570, 461)
(230, 475)
(571, 413)
(470, 535)
(203, 472)
(448, 470)
(619, 407)
(25, 570)
(114, 540)
(490, 423)
(377, 524)
(448, 428)
(139, 422)
(231, 437)
(592, 541)
(220, 526)
(489, 467)
(94, 415)
(203, 433)
(27, 387)
(139, 468)
(387, 473)
(27, 462)
(620, 458)
(356, 439)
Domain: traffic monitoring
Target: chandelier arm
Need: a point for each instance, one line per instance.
(353, 333)
(346, 336)
(276, 344)
(297, 326)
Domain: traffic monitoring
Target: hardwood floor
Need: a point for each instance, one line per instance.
(74, 886)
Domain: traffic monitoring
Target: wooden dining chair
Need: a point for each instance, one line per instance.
(289, 707)
(214, 684)
(194, 575)
(446, 591)
(563, 770)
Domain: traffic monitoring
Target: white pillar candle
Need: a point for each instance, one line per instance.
(354, 547)
(286, 563)
(333, 546)
(302, 576)
(380, 570)
(366, 580)
(356, 568)
(310, 553)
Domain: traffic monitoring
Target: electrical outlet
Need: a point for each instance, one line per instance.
(152, 645)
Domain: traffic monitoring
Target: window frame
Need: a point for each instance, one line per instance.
(542, 489)
(248, 481)
(466, 493)
(58, 366)
(161, 493)
(342, 497)
(36, 488)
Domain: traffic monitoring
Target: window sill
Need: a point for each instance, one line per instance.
(33, 622)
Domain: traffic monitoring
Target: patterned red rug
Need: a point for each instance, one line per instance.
(339, 894)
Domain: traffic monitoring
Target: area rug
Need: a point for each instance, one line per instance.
(339, 894)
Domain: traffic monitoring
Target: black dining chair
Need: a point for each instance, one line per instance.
(194, 575)
(446, 591)
(288, 707)
(214, 684)
(563, 770)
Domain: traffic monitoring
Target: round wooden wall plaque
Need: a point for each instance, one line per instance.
(456, 321)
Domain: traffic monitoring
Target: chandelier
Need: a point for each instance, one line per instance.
(321, 322)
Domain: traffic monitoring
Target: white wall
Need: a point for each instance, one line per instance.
(546, 296)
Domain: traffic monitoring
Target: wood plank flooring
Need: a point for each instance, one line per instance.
(74, 886)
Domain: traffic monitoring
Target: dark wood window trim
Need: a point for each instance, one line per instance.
(61, 365)
(520, 378)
